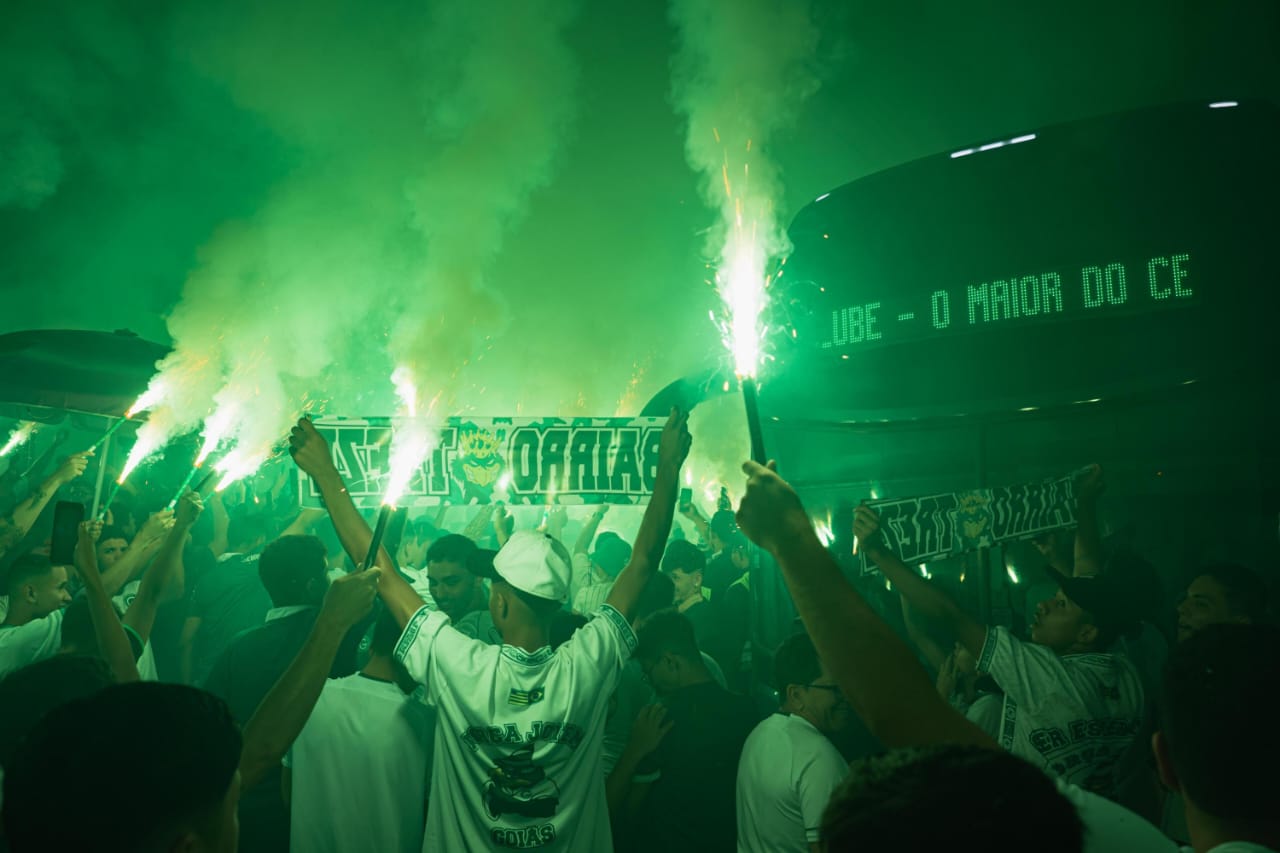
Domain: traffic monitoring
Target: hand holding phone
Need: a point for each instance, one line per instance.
(67, 516)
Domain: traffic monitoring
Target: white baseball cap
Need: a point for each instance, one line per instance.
(530, 563)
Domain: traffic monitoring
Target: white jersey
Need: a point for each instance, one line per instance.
(36, 640)
(786, 776)
(360, 767)
(1075, 716)
(518, 744)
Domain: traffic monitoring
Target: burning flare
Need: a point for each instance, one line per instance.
(18, 437)
(215, 429)
(411, 441)
(154, 394)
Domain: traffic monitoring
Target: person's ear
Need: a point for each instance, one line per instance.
(697, 578)
(1087, 635)
(794, 697)
(29, 593)
(1164, 762)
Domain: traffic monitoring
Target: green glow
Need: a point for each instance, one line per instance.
(1064, 293)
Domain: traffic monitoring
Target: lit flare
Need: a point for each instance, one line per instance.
(18, 437)
(411, 440)
(154, 394)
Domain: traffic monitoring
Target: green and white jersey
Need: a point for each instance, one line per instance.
(1073, 715)
(519, 740)
(146, 662)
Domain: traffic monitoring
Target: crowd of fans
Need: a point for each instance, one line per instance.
(222, 676)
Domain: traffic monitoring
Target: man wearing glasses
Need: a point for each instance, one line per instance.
(789, 766)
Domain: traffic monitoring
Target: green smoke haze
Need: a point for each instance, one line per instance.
(498, 194)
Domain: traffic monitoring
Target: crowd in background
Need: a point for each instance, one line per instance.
(223, 671)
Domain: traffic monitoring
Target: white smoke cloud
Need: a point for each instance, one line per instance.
(411, 162)
(495, 130)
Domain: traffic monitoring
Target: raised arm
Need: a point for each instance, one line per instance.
(876, 671)
(311, 452)
(1088, 532)
(480, 523)
(285, 709)
(221, 525)
(926, 599)
(929, 647)
(113, 642)
(655, 527)
(697, 519)
(24, 515)
(143, 547)
(588, 534)
(504, 524)
(166, 577)
(306, 521)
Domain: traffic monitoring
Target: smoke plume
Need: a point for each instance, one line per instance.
(742, 70)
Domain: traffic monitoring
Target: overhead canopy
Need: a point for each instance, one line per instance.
(99, 373)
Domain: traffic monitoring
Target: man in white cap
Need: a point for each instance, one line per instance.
(519, 744)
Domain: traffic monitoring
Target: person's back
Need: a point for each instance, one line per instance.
(679, 795)
(230, 599)
(292, 571)
(690, 803)
(254, 660)
(358, 771)
(518, 749)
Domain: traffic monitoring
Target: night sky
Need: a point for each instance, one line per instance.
(268, 146)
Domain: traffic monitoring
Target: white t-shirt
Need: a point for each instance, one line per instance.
(1075, 715)
(360, 770)
(518, 744)
(1111, 828)
(36, 640)
(786, 776)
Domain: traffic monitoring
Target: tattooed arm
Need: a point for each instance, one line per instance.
(24, 515)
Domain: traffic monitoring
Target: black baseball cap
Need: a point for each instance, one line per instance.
(1107, 598)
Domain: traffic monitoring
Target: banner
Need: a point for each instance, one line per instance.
(513, 460)
(940, 526)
